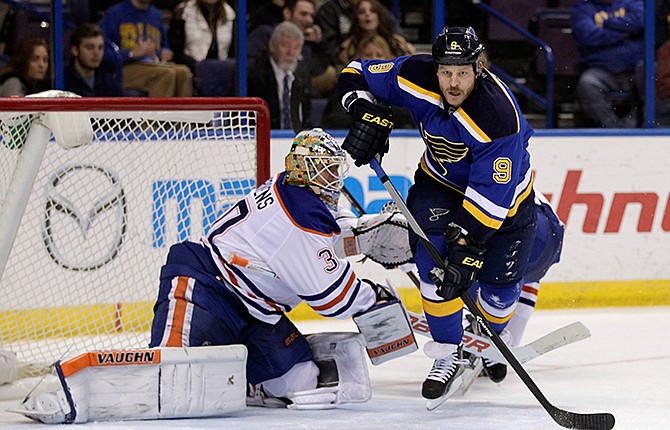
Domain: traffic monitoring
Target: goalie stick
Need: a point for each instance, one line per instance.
(482, 347)
(567, 419)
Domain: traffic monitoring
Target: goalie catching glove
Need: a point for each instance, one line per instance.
(464, 259)
(383, 238)
(369, 133)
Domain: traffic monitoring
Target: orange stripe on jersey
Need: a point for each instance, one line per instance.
(233, 280)
(529, 289)
(339, 298)
(291, 218)
(177, 329)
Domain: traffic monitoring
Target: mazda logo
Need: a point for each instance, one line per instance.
(85, 217)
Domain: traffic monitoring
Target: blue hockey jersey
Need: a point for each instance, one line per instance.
(479, 149)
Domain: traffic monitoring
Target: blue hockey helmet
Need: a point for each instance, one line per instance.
(457, 46)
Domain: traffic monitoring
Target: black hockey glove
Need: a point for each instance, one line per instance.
(369, 133)
(461, 265)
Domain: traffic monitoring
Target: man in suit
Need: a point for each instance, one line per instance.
(279, 81)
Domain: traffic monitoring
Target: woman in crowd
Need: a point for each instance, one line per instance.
(28, 69)
(372, 17)
(201, 30)
(371, 46)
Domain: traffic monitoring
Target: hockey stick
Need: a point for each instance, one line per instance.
(567, 419)
(482, 347)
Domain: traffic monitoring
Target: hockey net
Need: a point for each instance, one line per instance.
(94, 223)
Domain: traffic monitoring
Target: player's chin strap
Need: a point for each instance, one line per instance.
(573, 420)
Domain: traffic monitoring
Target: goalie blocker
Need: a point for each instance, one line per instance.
(386, 327)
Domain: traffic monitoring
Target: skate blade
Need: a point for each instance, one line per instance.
(433, 404)
(470, 375)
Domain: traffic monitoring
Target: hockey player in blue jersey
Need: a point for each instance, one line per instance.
(473, 189)
(272, 250)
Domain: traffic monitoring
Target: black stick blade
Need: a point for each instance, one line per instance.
(572, 420)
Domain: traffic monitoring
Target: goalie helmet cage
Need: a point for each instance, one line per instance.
(85, 230)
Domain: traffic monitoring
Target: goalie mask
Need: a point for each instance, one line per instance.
(317, 160)
(458, 46)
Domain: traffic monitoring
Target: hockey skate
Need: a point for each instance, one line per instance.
(444, 379)
(256, 396)
(472, 369)
(474, 364)
(494, 370)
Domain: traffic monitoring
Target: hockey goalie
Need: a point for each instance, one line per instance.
(220, 338)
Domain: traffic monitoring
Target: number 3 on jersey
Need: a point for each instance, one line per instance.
(332, 262)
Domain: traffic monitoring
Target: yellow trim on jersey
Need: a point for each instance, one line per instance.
(491, 318)
(521, 198)
(442, 309)
(351, 70)
(418, 89)
(504, 88)
(424, 167)
(475, 128)
(481, 216)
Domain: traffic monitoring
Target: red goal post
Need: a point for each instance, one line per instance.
(85, 229)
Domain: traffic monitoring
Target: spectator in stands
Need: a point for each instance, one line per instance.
(28, 69)
(281, 82)
(314, 60)
(136, 37)
(371, 46)
(335, 18)
(266, 13)
(609, 34)
(372, 17)
(86, 75)
(662, 73)
(201, 30)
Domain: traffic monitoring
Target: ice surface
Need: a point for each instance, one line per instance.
(624, 368)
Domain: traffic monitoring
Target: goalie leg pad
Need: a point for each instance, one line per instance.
(302, 376)
(144, 384)
(343, 376)
(387, 331)
(338, 374)
(9, 367)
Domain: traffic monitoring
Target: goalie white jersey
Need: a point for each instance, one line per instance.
(276, 248)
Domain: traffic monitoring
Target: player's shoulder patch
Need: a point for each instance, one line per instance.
(419, 71)
(305, 209)
(491, 110)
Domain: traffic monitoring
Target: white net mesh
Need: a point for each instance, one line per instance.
(83, 270)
